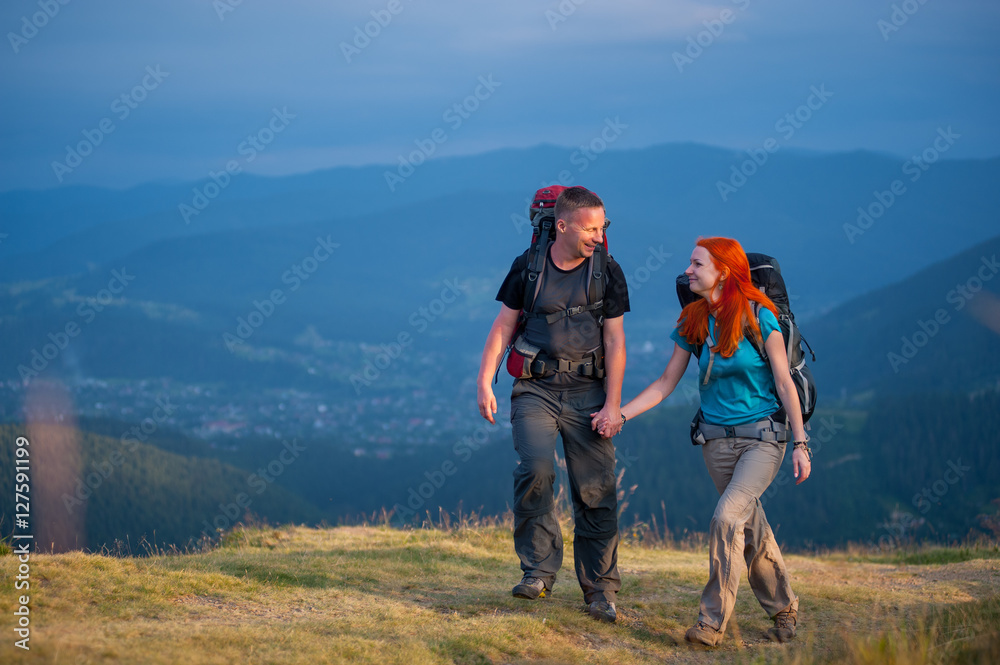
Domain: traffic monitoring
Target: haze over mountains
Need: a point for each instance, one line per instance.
(463, 220)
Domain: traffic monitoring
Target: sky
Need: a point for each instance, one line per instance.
(119, 93)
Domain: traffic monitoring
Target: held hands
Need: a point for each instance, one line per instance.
(801, 466)
(607, 422)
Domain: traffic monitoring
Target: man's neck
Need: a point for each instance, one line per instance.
(563, 259)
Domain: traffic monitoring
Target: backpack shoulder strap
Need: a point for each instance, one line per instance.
(598, 282)
(537, 258)
(596, 289)
(753, 340)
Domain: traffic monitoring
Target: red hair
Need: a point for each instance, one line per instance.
(733, 313)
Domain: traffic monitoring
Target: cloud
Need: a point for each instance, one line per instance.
(415, 58)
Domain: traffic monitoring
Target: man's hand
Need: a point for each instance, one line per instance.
(499, 339)
(801, 466)
(487, 403)
(608, 421)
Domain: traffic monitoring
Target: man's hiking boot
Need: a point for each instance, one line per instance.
(603, 610)
(530, 588)
(784, 626)
(702, 633)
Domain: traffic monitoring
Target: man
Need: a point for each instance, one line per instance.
(573, 402)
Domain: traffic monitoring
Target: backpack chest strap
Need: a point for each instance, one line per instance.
(572, 311)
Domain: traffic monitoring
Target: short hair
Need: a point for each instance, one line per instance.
(575, 198)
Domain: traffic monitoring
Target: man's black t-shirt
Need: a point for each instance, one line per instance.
(560, 289)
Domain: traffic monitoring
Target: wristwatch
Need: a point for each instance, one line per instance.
(805, 447)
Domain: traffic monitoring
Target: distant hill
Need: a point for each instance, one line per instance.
(935, 331)
(387, 273)
(89, 491)
(795, 206)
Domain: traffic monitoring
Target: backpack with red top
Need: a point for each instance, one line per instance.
(525, 360)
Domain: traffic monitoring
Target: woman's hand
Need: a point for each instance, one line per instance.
(801, 466)
(606, 422)
(651, 395)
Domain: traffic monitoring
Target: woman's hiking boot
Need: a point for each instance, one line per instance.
(702, 633)
(784, 626)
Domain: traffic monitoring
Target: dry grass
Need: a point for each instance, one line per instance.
(372, 594)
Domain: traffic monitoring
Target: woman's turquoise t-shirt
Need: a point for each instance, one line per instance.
(740, 389)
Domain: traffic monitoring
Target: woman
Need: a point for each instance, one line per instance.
(739, 393)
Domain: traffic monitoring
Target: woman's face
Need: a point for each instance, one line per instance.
(702, 274)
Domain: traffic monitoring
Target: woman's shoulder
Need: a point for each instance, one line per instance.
(764, 314)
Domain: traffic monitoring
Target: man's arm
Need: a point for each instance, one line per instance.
(614, 373)
(496, 343)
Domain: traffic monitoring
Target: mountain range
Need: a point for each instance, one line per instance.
(389, 256)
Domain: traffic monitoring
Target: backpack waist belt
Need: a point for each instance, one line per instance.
(765, 430)
(543, 366)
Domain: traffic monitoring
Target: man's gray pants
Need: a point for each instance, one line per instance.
(739, 536)
(538, 415)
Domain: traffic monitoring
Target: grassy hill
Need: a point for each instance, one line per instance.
(379, 595)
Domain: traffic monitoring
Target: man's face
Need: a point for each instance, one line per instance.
(584, 230)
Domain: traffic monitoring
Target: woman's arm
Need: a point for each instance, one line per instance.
(652, 395)
(660, 389)
(789, 396)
